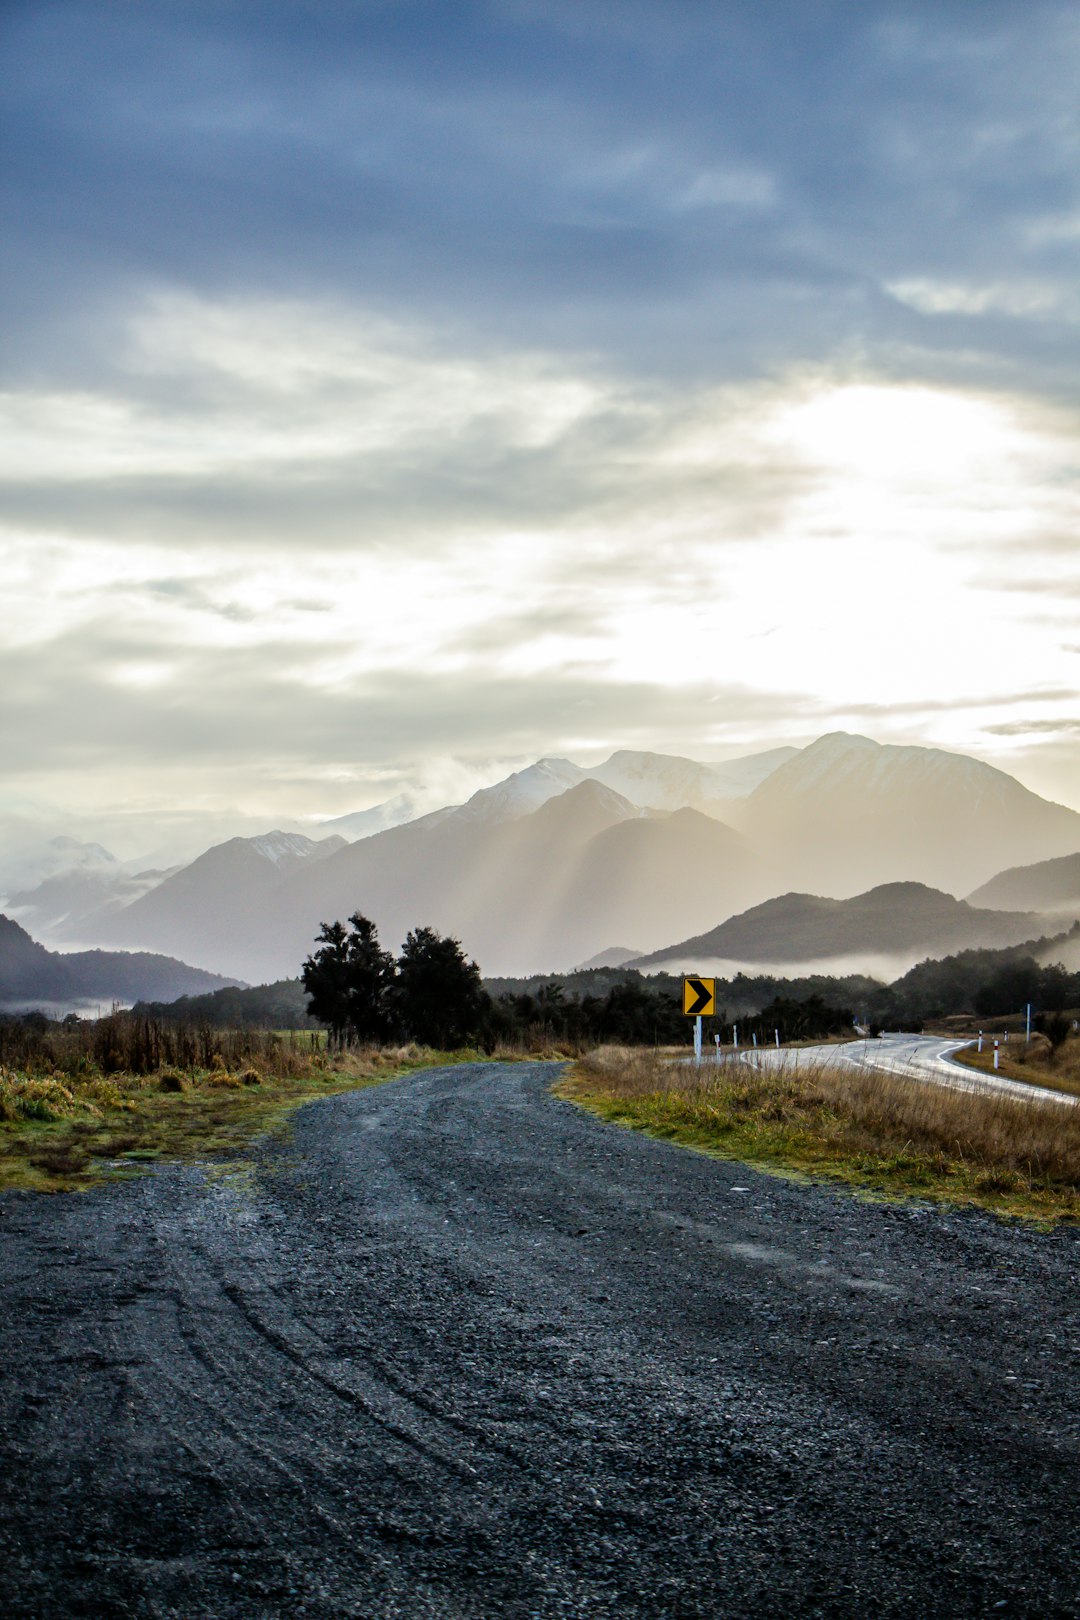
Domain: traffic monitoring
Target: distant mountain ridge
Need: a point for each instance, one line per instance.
(557, 861)
(847, 813)
(889, 919)
(1049, 886)
(30, 974)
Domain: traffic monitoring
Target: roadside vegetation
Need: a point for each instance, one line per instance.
(883, 1135)
(102, 1098)
(200, 1079)
(1050, 1059)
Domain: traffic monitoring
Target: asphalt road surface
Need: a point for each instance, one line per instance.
(462, 1351)
(919, 1057)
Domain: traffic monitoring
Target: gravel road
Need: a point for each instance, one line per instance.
(462, 1351)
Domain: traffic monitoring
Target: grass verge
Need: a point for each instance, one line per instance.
(1036, 1063)
(885, 1136)
(61, 1132)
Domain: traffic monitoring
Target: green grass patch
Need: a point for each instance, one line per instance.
(882, 1136)
(63, 1133)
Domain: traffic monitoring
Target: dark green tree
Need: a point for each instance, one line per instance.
(349, 981)
(438, 997)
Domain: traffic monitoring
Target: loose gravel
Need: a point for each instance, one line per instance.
(460, 1350)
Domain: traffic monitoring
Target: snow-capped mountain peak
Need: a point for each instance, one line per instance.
(524, 791)
(286, 850)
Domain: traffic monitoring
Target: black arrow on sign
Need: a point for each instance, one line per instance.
(703, 997)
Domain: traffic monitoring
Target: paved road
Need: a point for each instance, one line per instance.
(466, 1352)
(921, 1057)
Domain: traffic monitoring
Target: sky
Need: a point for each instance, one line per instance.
(396, 392)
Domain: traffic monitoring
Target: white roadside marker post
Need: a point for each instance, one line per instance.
(735, 1036)
(980, 1040)
(996, 1053)
(716, 1038)
(776, 1032)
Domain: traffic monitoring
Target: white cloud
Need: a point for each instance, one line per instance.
(442, 531)
(1020, 297)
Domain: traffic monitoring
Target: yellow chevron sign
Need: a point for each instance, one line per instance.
(699, 997)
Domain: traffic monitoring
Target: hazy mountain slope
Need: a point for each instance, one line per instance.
(201, 911)
(1045, 886)
(654, 781)
(667, 782)
(658, 781)
(502, 888)
(553, 865)
(516, 795)
(614, 956)
(31, 974)
(646, 878)
(523, 791)
(379, 818)
(548, 889)
(737, 778)
(32, 860)
(74, 905)
(847, 813)
(890, 919)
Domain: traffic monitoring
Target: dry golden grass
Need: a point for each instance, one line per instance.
(1038, 1063)
(880, 1132)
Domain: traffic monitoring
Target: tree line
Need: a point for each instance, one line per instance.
(625, 1006)
(433, 994)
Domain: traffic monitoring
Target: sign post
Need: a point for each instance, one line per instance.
(698, 1002)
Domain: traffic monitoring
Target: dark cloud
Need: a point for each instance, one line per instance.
(702, 189)
(1024, 728)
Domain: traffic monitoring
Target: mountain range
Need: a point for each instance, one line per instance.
(30, 975)
(559, 863)
(902, 921)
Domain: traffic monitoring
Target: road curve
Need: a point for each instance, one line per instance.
(459, 1350)
(917, 1057)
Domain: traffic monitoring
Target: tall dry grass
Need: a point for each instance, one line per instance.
(129, 1043)
(859, 1121)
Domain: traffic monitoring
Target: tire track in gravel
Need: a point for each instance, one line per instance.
(463, 1351)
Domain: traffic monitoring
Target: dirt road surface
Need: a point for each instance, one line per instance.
(458, 1350)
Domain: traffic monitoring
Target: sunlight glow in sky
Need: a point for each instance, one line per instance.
(394, 400)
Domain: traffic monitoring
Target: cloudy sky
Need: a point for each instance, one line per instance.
(394, 392)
